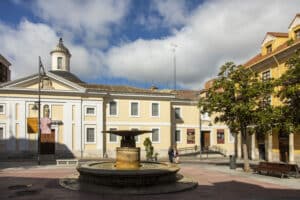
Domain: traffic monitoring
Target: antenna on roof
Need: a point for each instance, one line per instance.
(174, 46)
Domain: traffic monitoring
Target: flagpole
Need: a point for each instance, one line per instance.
(39, 113)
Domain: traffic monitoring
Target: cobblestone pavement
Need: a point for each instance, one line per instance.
(216, 181)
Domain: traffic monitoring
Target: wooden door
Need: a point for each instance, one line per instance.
(48, 143)
(284, 149)
(205, 140)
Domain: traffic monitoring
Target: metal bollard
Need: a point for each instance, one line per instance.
(232, 162)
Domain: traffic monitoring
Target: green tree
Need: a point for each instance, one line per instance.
(289, 93)
(148, 148)
(236, 97)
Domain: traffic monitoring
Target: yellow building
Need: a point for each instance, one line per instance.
(80, 112)
(276, 49)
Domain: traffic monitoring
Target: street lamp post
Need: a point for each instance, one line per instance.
(41, 67)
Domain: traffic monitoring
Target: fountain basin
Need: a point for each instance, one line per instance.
(148, 173)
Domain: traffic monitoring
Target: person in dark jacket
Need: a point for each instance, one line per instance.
(171, 154)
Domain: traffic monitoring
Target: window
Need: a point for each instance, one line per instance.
(220, 136)
(90, 135)
(266, 75)
(155, 135)
(154, 109)
(112, 137)
(90, 111)
(297, 33)
(4, 73)
(1, 133)
(134, 109)
(177, 136)
(190, 136)
(2, 109)
(59, 63)
(177, 113)
(113, 108)
(269, 48)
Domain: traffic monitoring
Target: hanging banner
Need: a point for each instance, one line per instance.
(190, 136)
(32, 125)
(46, 125)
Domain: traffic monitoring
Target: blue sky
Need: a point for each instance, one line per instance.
(130, 41)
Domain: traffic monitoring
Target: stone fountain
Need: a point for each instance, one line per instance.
(128, 174)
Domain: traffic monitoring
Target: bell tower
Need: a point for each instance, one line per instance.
(60, 57)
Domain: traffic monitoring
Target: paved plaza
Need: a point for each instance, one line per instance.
(25, 180)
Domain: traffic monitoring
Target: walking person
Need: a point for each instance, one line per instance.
(176, 155)
(171, 154)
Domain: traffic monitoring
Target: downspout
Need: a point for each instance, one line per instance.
(81, 127)
(276, 60)
(200, 132)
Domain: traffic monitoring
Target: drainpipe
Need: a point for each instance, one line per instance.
(200, 132)
(81, 120)
(276, 60)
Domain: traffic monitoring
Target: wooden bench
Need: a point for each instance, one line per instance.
(66, 162)
(273, 168)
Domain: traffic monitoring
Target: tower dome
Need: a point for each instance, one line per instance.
(60, 57)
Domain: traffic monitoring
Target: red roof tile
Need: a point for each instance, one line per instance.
(260, 57)
(278, 34)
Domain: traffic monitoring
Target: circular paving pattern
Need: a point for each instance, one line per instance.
(183, 184)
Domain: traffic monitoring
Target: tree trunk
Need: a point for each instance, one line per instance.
(245, 150)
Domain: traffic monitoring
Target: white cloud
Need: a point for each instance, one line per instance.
(22, 46)
(89, 20)
(164, 13)
(173, 12)
(217, 31)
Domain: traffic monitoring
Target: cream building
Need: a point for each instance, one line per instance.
(217, 136)
(80, 112)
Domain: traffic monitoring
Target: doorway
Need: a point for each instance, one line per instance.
(205, 140)
(48, 143)
(283, 139)
(260, 138)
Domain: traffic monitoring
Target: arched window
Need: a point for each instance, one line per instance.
(46, 111)
(59, 63)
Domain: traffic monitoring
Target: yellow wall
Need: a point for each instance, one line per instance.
(292, 34)
(297, 142)
(190, 114)
(90, 147)
(275, 44)
(55, 85)
(123, 106)
(275, 141)
(57, 114)
(90, 118)
(164, 142)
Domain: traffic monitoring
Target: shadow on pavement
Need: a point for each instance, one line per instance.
(48, 188)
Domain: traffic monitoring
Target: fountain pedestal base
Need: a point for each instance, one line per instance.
(128, 158)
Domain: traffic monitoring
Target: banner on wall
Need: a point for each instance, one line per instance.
(190, 136)
(32, 125)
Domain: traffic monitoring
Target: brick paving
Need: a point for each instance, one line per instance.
(215, 182)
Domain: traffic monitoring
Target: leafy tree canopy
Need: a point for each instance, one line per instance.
(289, 93)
